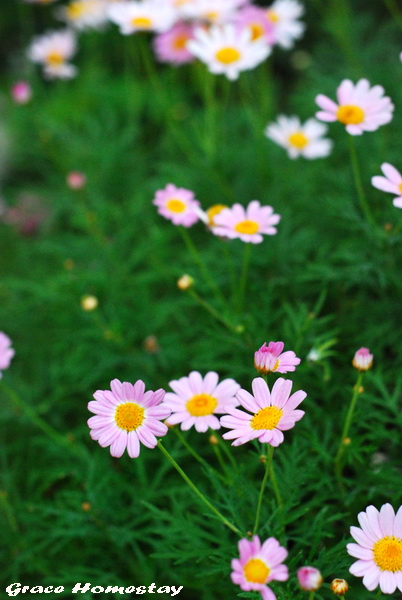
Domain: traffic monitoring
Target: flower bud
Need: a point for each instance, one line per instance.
(89, 303)
(185, 282)
(310, 578)
(76, 180)
(363, 360)
(21, 92)
(339, 587)
(213, 440)
(269, 359)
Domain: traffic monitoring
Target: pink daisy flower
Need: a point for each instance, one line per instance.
(6, 352)
(269, 359)
(126, 416)
(248, 224)
(170, 47)
(197, 400)
(258, 565)
(362, 360)
(178, 205)
(271, 413)
(256, 20)
(360, 108)
(392, 183)
(378, 548)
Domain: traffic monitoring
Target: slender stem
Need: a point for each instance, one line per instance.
(195, 489)
(272, 476)
(228, 453)
(243, 277)
(212, 311)
(393, 9)
(311, 596)
(346, 427)
(358, 182)
(8, 511)
(201, 264)
(222, 463)
(197, 457)
(262, 490)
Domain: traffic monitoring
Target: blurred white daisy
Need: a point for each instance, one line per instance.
(300, 140)
(284, 16)
(213, 11)
(53, 51)
(84, 14)
(227, 51)
(149, 15)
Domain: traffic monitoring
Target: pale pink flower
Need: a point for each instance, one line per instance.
(196, 400)
(150, 15)
(360, 108)
(76, 180)
(171, 46)
(284, 16)
(6, 352)
(269, 359)
(299, 139)
(248, 224)
(392, 183)
(310, 579)
(362, 360)
(21, 92)
(256, 20)
(178, 205)
(126, 416)
(272, 413)
(258, 565)
(378, 548)
(211, 11)
(53, 50)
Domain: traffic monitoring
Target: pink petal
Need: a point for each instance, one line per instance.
(387, 582)
(391, 173)
(261, 392)
(387, 518)
(133, 445)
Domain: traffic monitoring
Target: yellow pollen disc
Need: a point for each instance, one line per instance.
(267, 418)
(213, 211)
(175, 205)
(75, 10)
(249, 227)
(272, 16)
(141, 22)
(257, 31)
(129, 416)
(55, 59)
(227, 56)
(298, 140)
(211, 16)
(201, 405)
(388, 554)
(256, 571)
(400, 187)
(348, 114)
(179, 43)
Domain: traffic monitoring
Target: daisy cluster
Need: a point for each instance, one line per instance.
(229, 36)
(249, 224)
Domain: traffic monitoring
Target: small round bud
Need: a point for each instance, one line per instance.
(68, 264)
(21, 92)
(347, 441)
(339, 587)
(213, 440)
(362, 360)
(86, 506)
(185, 282)
(360, 390)
(263, 459)
(76, 180)
(388, 226)
(89, 303)
(151, 344)
(239, 328)
(310, 579)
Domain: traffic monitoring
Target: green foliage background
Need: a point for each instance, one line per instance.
(328, 279)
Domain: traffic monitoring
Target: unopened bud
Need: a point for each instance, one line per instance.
(263, 459)
(346, 441)
(89, 303)
(185, 282)
(339, 587)
(310, 579)
(86, 506)
(151, 344)
(362, 360)
(213, 440)
(76, 180)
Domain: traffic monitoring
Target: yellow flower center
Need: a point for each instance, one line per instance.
(213, 211)
(129, 416)
(179, 43)
(256, 571)
(267, 418)
(272, 16)
(228, 55)
(348, 114)
(249, 227)
(257, 31)
(201, 405)
(211, 16)
(175, 205)
(75, 10)
(298, 140)
(141, 22)
(388, 554)
(400, 187)
(55, 59)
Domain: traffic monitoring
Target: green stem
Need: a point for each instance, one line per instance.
(393, 9)
(212, 311)
(197, 457)
(8, 511)
(201, 264)
(222, 463)
(243, 277)
(272, 477)
(346, 427)
(195, 489)
(261, 494)
(358, 182)
(311, 596)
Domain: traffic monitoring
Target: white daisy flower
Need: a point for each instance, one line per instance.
(284, 15)
(149, 15)
(84, 14)
(210, 10)
(53, 50)
(227, 51)
(300, 140)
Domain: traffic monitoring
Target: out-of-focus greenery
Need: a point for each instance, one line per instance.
(326, 280)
